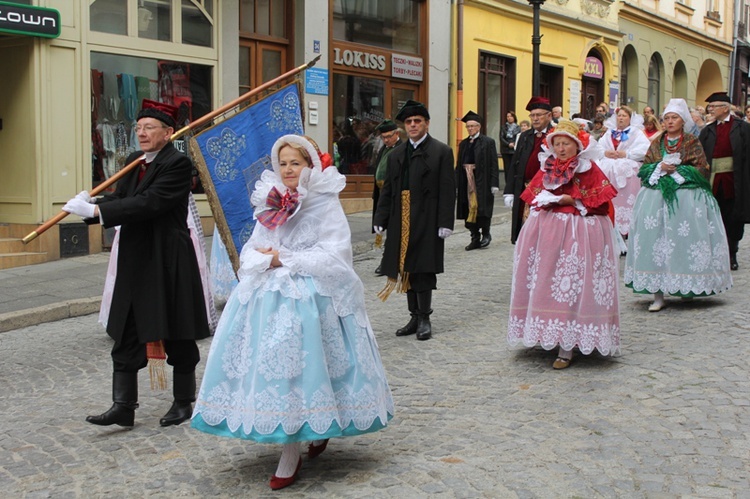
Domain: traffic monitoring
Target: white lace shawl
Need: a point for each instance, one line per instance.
(618, 171)
(315, 241)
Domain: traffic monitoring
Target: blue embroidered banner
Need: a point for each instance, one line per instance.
(231, 155)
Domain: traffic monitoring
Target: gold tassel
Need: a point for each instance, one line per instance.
(402, 283)
(157, 364)
(473, 207)
(378, 240)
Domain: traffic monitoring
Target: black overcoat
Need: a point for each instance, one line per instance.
(157, 271)
(432, 188)
(486, 176)
(739, 136)
(515, 184)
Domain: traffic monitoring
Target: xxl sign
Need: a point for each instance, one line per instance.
(31, 21)
(593, 68)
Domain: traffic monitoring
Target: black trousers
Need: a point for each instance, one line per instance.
(735, 230)
(129, 354)
(482, 224)
(422, 282)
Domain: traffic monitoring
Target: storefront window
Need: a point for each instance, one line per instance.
(359, 105)
(120, 83)
(388, 24)
(109, 16)
(263, 17)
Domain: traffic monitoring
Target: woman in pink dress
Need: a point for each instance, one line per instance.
(565, 268)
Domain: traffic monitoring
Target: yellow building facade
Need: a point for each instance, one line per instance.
(579, 59)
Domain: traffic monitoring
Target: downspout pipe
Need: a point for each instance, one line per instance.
(459, 67)
(735, 55)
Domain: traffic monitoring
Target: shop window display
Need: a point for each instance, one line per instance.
(358, 108)
(118, 86)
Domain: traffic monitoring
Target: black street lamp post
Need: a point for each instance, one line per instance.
(536, 40)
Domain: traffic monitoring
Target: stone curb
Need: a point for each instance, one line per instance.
(49, 313)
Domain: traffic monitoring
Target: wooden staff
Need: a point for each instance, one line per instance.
(179, 133)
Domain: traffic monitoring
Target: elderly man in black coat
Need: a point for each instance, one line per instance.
(477, 177)
(526, 160)
(726, 142)
(158, 296)
(416, 207)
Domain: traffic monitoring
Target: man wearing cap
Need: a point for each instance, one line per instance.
(391, 137)
(526, 160)
(416, 207)
(726, 141)
(477, 178)
(158, 296)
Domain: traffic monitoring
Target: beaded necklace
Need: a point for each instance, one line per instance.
(669, 147)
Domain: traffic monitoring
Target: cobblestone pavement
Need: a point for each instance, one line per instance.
(474, 418)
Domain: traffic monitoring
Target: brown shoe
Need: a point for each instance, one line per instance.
(560, 363)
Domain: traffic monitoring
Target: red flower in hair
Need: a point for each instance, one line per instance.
(325, 159)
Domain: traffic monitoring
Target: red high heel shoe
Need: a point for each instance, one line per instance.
(277, 483)
(314, 451)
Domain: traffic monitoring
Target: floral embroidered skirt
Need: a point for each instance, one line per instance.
(223, 279)
(623, 174)
(284, 370)
(684, 253)
(564, 292)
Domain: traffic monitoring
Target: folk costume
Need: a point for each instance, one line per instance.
(294, 357)
(381, 167)
(508, 136)
(416, 208)
(727, 148)
(565, 270)
(477, 179)
(525, 165)
(677, 245)
(623, 172)
(158, 296)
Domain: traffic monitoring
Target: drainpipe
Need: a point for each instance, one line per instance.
(733, 62)
(459, 68)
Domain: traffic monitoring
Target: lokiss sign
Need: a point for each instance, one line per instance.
(32, 21)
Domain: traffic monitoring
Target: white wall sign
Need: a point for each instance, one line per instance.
(407, 67)
(575, 97)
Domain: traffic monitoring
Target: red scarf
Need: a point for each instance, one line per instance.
(557, 173)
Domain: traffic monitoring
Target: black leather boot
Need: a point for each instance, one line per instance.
(475, 241)
(184, 396)
(424, 328)
(125, 397)
(411, 326)
(486, 238)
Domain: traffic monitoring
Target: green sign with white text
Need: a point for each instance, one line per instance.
(31, 21)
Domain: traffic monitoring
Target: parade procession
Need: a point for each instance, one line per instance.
(374, 249)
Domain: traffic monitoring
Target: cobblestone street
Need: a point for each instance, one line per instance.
(474, 418)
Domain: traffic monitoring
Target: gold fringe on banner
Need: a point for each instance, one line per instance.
(401, 285)
(157, 364)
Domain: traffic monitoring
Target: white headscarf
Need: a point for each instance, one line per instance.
(680, 108)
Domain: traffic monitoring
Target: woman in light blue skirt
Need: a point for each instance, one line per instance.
(294, 357)
(677, 243)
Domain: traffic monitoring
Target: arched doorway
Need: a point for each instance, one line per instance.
(709, 80)
(592, 83)
(629, 77)
(680, 81)
(655, 91)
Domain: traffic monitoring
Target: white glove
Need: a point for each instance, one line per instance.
(544, 198)
(378, 230)
(84, 195)
(444, 233)
(80, 207)
(495, 190)
(508, 200)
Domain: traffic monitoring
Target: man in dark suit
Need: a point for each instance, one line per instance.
(526, 160)
(416, 206)
(726, 141)
(389, 134)
(158, 296)
(478, 180)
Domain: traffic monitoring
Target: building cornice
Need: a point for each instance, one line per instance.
(671, 28)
